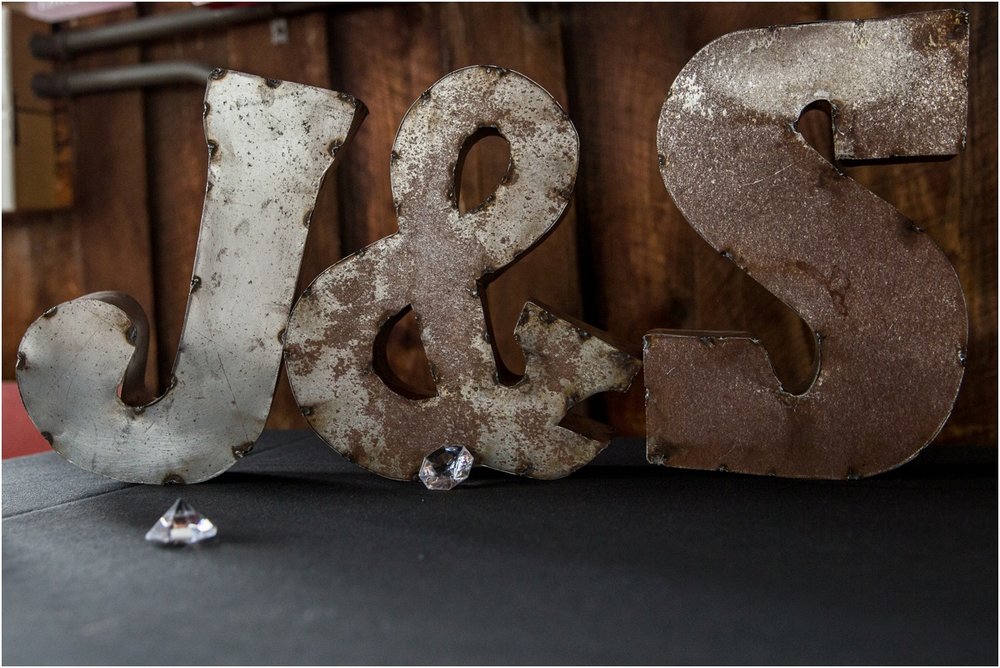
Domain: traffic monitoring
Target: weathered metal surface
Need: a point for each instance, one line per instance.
(883, 301)
(437, 264)
(270, 144)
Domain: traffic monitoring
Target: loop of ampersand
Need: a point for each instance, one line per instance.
(434, 265)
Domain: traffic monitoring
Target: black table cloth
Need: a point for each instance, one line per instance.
(319, 561)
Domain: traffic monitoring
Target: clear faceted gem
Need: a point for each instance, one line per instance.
(446, 467)
(181, 525)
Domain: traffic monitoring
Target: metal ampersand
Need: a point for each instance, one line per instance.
(883, 301)
(270, 144)
(434, 265)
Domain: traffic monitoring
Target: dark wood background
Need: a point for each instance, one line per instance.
(623, 258)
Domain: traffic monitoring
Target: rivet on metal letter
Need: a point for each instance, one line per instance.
(887, 301)
(248, 257)
(428, 266)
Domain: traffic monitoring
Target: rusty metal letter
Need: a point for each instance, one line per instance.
(270, 144)
(884, 303)
(434, 265)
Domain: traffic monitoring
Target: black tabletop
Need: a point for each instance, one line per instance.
(318, 561)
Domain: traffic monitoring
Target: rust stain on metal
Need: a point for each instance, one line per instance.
(241, 451)
(432, 265)
(884, 303)
(269, 155)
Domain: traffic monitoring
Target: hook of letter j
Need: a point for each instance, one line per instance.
(81, 365)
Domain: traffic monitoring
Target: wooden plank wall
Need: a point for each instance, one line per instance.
(623, 258)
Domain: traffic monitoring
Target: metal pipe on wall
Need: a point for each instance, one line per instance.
(59, 84)
(66, 43)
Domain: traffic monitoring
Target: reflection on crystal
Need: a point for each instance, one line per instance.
(446, 467)
(181, 525)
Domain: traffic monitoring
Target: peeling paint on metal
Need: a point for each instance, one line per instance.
(269, 154)
(883, 301)
(433, 265)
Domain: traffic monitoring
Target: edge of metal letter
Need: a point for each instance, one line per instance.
(270, 145)
(434, 265)
(882, 300)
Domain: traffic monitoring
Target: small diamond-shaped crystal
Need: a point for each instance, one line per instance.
(181, 525)
(446, 467)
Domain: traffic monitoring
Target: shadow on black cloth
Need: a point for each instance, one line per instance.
(318, 561)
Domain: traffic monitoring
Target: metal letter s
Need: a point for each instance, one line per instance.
(883, 301)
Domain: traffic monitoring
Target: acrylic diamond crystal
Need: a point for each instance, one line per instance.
(181, 525)
(446, 467)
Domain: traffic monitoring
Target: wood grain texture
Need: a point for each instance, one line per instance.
(975, 251)
(102, 242)
(623, 259)
(635, 274)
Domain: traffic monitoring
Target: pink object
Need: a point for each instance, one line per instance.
(20, 437)
(56, 12)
